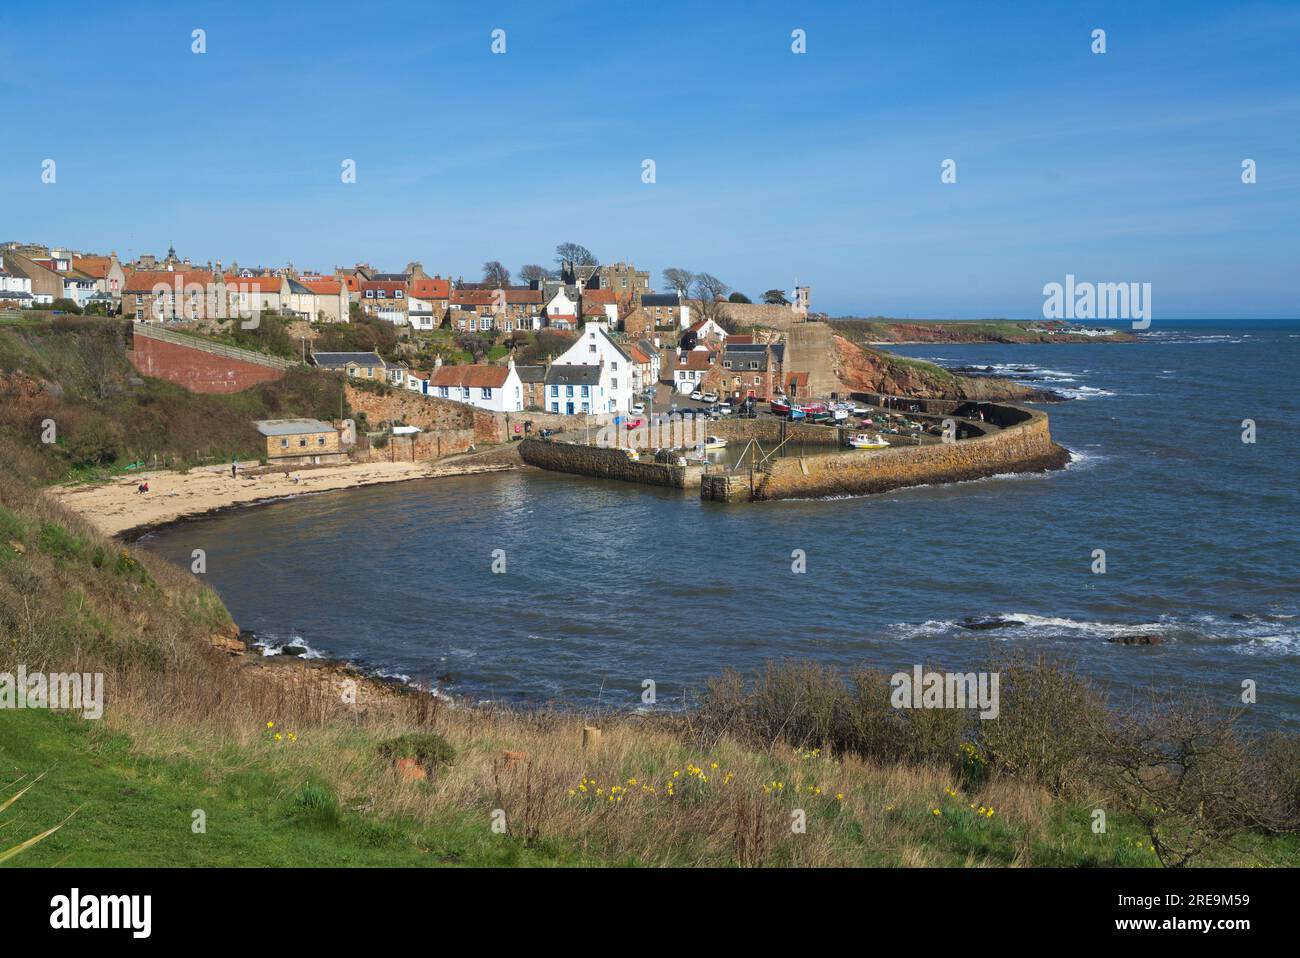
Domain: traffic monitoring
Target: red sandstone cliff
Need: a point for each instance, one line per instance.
(862, 368)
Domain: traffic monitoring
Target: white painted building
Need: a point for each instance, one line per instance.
(594, 347)
(15, 290)
(495, 388)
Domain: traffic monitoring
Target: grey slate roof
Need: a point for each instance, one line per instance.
(660, 299)
(291, 427)
(573, 376)
(531, 374)
(342, 360)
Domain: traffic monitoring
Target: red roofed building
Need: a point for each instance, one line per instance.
(181, 295)
(384, 299)
(427, 299)
(496, 388)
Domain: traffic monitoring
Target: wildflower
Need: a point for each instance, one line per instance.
(278, 736)
(270, 725)
(839, 796)
(935, 811)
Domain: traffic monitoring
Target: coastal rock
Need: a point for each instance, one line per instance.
(229, 640)
(980, 624)
(1137, 638)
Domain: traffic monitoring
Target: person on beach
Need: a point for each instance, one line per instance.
(233, 467)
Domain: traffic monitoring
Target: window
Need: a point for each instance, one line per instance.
(486, 392)
(726, 363)
(613, 366)
(442, 391)
(284, 443)
(586, 390)
(397, 294)
(555, 390)
(302, 443)
(613, 384)
(568, 390)
(370, 294)
(485, 322)
(464, 392)
(753, 364)
(320, 441)
(591, 348)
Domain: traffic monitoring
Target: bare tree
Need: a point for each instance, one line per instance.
(495, 274)
(709, 287)
(531, 272)
(575, 253)
(680, 280)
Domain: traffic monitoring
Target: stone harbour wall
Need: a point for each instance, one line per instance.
(1026, 446)
(605, 463)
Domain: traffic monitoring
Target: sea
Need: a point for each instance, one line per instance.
(532, 588)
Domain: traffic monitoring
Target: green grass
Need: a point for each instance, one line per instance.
(138, 811)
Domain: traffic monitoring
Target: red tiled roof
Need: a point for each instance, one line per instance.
(96, 266)
(260, 284)
(322, 285)
(602, 296)
(383, 286)
(797, 379)
(697, 359)
(472, 376)
(740, 339)
(430, 288)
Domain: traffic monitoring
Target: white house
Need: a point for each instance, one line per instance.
(577, 390)
(421, 312)
(15, 290)
(595, 348)
(495, 388)
(562, 309)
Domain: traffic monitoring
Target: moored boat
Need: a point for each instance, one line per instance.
(714, 442)
(865, 441)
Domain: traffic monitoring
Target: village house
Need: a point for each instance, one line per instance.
(708, 334)
(355, 365)
(562, 308)
(624, 279)
(752, 369)
(689, 369)
(15, 290)
(595, 348)
(643, 369)
(316, 299)
(427, 301)
(504, 310)
(253, 295)
(533, 379)
(52, 277)
(384, 299)
(106, 271)
(666, 310)
(173, 296)
(300, 441)
(495, 388)
(577, 390)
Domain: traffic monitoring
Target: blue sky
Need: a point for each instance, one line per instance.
(771, 167)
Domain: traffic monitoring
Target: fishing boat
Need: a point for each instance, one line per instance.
(714, 442)
(779, 407)
(865, 441)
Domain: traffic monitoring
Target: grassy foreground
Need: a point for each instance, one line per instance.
(328, 799)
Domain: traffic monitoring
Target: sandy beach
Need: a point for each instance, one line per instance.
(116, 507)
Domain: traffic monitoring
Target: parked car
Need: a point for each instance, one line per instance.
(708, 397)
(632, 423)
(724, 408)
(686, 413)
(638, 408)
(697, 395)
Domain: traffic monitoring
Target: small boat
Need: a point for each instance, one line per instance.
(864, 441)
(840, 414)
(714, 442)
(778, 407)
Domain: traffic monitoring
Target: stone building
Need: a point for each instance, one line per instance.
(300, 441)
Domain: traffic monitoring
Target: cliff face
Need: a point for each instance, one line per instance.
(861, 368)
(881, 330)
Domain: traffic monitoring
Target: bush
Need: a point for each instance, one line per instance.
(428, 748)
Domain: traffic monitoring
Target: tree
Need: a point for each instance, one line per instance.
(679, 280)
(62, 305)
(775, 297)
(574, 253)
(532, 272)
(709, 287)
(738, 297)
(476, 344)
(495, 274)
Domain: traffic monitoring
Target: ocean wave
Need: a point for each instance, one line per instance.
(1248, 634)
(295, 644)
